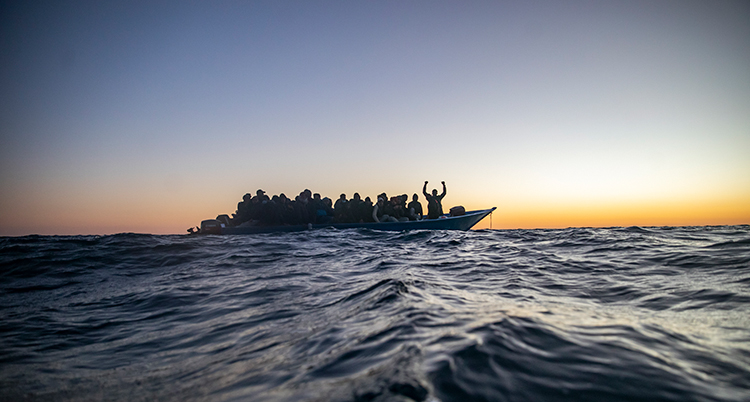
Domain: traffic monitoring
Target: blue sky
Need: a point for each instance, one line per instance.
(150, 116)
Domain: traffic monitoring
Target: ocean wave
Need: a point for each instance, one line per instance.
(624, 314)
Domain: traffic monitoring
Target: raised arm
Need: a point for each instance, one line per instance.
(424, 190)
(443, 195)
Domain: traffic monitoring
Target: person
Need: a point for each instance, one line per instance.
(268, 212)
(316, 208)
(367, 208)
(403, 199)
(325, 213)
(301, 208)
(341, 209)
(379, 212)
(434, 202)
(359, 211)
(415, 208)
(243, 210)
(286, 210)
(262, 196)
(400, 212)
(256, 206)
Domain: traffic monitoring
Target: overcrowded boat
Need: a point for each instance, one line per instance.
(307, 211)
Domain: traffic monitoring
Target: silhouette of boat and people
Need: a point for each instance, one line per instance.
(309, 208)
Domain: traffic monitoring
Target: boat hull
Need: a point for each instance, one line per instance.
(463, 222)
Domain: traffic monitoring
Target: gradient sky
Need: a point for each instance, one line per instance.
(151, 116)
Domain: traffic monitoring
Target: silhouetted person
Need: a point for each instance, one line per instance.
(367, 210)
(286, 210)
(301, 209)
(379, 212)
(243, 210)
(327, 209)
(317, 209)
(434, 202)
(358, 209)
(415, 208)
(262, 196)
(341, 209)
(399, 207)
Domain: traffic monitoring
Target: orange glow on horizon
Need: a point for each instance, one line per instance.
(697, 213)
(163, 217)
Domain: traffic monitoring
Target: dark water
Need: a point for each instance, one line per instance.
(620, 314)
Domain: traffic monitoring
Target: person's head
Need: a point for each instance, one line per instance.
(282, 197)
(247, 197)
(342, 197)
(260, 193)
(415, 197)
(316, 197)
(356, 196)
(381, 201)
(327, 202)
(434, 192)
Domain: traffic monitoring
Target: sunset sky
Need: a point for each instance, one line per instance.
(151, 116)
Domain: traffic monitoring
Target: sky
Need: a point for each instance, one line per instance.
(151, 116)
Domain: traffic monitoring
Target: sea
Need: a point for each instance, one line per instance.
(579, 314)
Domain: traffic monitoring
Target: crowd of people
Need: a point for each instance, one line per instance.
(309, 208)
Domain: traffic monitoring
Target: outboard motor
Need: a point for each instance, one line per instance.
(210, 226)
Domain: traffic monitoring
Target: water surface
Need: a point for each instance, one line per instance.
(617, 314)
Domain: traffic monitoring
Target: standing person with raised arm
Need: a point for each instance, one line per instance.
(434, 202)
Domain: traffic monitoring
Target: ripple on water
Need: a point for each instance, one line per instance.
(616, 314)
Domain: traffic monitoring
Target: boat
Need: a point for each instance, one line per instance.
(444, 222)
